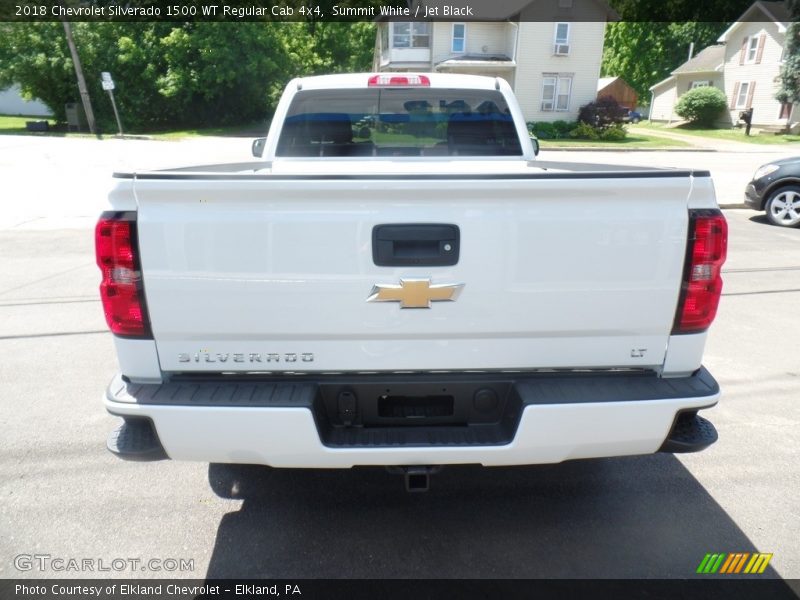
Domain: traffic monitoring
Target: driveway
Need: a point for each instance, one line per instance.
(655, 516)
(652, 516)
(63, 181)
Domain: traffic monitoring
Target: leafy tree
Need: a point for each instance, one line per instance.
(680, 11)
(37, 58)
(701, 105)
(790, 72)
(178, 74)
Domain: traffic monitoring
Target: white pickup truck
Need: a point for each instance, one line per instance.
(399, 281)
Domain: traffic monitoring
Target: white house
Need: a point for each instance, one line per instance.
(745, 65)
(12, 103)
(553, 66)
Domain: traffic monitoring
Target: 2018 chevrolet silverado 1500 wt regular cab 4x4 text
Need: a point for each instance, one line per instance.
(400, 282)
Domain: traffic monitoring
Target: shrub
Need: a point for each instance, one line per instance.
(543, 130)
(563, 127)
(547, 130)
(602, 113)
(614, 133)
(584, 131)
(701, 105)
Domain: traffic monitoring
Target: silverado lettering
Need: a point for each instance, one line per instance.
(240, 357)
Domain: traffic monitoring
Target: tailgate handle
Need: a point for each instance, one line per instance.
(415, 245)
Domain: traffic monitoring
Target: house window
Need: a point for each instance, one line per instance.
(697, 84)
(741, 97)
(786, 110)
(561, 41)
(459, 38)
(752, 49)
(410, 35)
(556, 92)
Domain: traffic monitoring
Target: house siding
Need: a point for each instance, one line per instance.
(766, 109)
(535, 57)
(666, 96)
(530, 45)
(12, 103)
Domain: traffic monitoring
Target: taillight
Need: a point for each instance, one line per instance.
(121, 289)
(702, 282)
(398, 81)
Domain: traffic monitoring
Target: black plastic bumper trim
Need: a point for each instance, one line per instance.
(487, 407)
(689, 433)
(136, 439)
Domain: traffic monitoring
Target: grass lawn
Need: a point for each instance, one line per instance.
(632, 141)
(14, 125)
(252, 130)
(733, 135)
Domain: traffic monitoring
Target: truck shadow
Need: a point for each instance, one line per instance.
(627, 517)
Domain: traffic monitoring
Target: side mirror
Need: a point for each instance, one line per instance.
(535, 144)
(258, 146)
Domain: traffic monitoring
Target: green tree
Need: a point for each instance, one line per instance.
(187, 74)
(37, 58)
(790, 72)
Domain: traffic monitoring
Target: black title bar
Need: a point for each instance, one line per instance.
(234, 11)
(391, 589)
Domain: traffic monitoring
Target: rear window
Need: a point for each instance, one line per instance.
(398, 122)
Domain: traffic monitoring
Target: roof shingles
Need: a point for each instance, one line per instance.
(707, 61)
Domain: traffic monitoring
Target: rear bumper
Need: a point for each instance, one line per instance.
(546, 419)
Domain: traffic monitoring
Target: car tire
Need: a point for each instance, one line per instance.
(783, 206)
(634, 121)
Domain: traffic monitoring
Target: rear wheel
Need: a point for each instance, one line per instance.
(783, 206)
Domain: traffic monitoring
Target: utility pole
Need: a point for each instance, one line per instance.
(87, 102)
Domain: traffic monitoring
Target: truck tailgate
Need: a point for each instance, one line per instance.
(273, 273)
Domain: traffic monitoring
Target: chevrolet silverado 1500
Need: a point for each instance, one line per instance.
(397, 280)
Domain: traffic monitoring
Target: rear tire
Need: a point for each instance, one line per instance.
(783, 206)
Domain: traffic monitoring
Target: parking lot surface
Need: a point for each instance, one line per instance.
(63, 494)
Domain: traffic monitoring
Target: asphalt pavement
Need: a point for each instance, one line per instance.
(62, 494)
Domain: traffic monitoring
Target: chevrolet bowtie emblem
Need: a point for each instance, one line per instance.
(415, 293)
